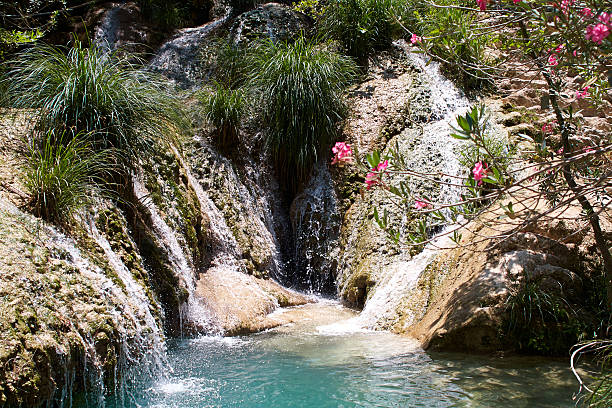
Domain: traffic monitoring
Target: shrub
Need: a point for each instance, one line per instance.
(101, 95)
(224, 109)
(61, 173)
(361, 26)
(450, 38)
(301, 86)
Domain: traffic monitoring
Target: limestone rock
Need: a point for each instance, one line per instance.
(240, 303)
(273, 20)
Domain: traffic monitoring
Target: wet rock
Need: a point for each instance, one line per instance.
(240, 303)
(272, 20)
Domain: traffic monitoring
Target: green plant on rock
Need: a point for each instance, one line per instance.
(361, 26)
(106, 97)
(224, 109)
(232, 63)
(301, 86)
(61, 174)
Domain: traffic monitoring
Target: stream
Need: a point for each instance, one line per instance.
(320, 361)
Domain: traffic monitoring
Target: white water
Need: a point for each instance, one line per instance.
(178, 58)
(316, 226)
(193, 311)
(106, 34)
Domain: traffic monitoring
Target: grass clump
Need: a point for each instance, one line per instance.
(361, 26)
(104, 96)
(224, 109)
(61, 175)
(301, 86)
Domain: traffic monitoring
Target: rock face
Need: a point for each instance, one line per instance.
(241, 303)
(463, 294)
(407, 105)
(272, 20)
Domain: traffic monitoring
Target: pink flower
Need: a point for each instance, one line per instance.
(559, 48)
(342, 153)
(374, 176)
(583, 93)
(547, 128)
(587, 12)
(560, 151)
(605, 18)
(415, 39)
(597, 33)
(516, 1)
(419, 205)
(575, 53)
(552, 60)
(588, 149)
(479, 171)
(482, 4)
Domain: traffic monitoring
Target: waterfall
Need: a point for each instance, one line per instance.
(178, 59)
(192, 311)
(388, 299)
(107, 33)
(316, 226)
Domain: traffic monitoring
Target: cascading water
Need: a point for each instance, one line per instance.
(386, 300)
(192, 311)
(316, 226)
(106, 34)
(178, 58)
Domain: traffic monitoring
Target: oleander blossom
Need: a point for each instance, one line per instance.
(482, 4)
(597, 33)
(552, 60)
(587, 12)
(342, 154)
(420, 205)
(582, 93)
(415, 39)
(375, 175)
(547, 128)
(479, 171)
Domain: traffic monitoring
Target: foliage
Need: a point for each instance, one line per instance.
(451, 35)
(224, 109)
(541, 320)
(104, 96)
(313, 8)
(301, 86)
(361, 26)
(171, 14)
(232, 63)
(61, 173)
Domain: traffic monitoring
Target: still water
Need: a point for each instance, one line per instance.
(321, 361)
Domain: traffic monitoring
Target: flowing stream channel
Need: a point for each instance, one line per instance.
(315, 362)
(327, 356)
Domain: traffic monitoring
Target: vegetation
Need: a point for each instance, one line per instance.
(224, 109)
(103, 96)
(301, 86)
(453, 36)
(361, 26)
(62, 172)
(171, 14)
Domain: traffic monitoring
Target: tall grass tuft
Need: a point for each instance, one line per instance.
(361, 26)
(82, 89)
(224, 109)
(301, 86)
(61, 173)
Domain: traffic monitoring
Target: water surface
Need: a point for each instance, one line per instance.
(318, 362)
